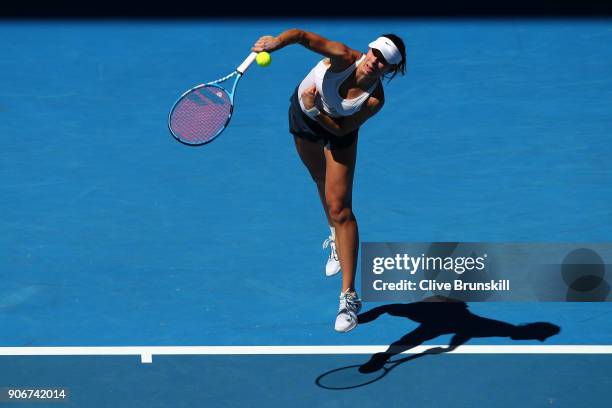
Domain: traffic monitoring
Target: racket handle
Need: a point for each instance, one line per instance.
(246, 63)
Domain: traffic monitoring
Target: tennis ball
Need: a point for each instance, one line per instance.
(263, 59)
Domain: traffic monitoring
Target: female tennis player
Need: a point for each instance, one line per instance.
(326, 112)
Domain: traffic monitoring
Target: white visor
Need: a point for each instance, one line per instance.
(387, 49)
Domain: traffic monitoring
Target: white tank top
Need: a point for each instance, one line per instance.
(328, 86)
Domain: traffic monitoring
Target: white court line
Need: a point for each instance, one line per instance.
(146, 353)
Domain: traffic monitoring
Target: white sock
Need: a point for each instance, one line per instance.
(333, 232)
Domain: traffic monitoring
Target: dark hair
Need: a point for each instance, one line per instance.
(401, 66)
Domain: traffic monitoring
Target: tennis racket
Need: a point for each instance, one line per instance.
(204, 111)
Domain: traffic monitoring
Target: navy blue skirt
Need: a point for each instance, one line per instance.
(302, 126)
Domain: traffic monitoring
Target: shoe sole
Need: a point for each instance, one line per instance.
(350, 327)
(347, 330)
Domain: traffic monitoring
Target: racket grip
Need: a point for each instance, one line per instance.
(246, 63)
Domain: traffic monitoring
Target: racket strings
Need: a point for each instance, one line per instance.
(201, 114)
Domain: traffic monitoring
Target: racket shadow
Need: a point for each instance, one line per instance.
(349, 377)
(436, 316)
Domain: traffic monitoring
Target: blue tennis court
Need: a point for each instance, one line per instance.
(115, 235)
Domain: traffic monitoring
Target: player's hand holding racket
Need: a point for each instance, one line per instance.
(267, 43)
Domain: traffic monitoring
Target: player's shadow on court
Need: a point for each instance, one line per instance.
(439, 316)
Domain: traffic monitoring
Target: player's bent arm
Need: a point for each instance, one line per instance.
(345, 125)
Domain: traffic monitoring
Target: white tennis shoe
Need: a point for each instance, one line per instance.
(350, 305)
(333, 264)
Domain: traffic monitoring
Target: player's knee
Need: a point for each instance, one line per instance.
(339, 211)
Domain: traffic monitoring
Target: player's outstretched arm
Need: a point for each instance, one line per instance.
(337, 52)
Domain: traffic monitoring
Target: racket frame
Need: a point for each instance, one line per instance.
(238, 73)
